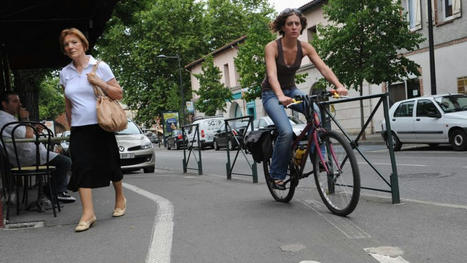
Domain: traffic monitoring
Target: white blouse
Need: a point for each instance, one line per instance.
(81, 93)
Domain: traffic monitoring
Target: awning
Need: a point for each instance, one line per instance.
(29, 29)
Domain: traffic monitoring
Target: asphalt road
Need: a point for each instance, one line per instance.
(203, 219)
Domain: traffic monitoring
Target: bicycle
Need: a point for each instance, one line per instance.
(334, 164)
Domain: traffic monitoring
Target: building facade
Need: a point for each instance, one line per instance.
(450, 39)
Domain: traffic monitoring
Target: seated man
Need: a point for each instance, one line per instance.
(10, 107)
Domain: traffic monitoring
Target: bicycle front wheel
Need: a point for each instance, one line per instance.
(338, 179)
(291, 183)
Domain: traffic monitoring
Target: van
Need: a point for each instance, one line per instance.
(208, 127)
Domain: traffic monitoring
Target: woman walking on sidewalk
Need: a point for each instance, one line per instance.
(94, 151)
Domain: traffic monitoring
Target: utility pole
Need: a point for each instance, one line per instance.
(431, 49)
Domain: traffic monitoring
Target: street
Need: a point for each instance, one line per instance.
(207, 218)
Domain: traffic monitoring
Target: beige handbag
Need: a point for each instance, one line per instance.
(110, 115)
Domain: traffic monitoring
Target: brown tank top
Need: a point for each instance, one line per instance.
(285, 73)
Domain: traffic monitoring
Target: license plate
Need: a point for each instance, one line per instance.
(127, 155)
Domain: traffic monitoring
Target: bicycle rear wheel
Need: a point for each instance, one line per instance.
(339, 186)
(291, 183)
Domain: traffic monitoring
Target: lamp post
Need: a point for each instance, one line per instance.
(182, 104)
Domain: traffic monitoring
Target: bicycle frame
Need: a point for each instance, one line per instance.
(313, 125)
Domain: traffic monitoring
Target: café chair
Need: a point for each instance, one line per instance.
(12, 135)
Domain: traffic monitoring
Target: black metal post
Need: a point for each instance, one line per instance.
(431, 49)
(182, 95)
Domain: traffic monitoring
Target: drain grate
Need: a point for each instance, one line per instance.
(24, 225)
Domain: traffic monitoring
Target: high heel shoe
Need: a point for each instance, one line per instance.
(85, 225)
(120, 211)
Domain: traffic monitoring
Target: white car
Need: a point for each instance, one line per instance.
(297, 125)
(429, 120)
(207, 129)
(136, 150)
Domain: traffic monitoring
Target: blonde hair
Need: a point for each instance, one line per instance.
(76, 32)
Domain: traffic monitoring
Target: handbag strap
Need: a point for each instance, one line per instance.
(97, 90)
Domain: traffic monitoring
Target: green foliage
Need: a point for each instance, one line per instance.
(51, 98)
(213, 94)
(131, 47)
(363, 41)
(250, 62)
(139, 31)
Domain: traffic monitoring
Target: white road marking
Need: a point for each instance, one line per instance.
(161, 241)
(422, 202)
(309, 261)
(398, 164)
(386, 254)
(344, 225)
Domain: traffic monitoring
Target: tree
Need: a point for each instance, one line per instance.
(250, 62)
(139, 31)
(213, 94)
(363, 42)
(162, 27)
(51, 98)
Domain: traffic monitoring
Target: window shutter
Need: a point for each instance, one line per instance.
(418, 13)
(456, 7)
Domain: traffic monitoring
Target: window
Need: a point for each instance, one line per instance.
(426, 108)
(405, 109)
(446, 10)
(462, 85)
(311, 33)
(414, 14)
(227, 75)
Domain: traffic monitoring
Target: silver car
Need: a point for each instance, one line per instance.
(136, 150)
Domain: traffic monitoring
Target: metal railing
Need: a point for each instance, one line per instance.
(189, 146)
(393, 182)
(241, 149)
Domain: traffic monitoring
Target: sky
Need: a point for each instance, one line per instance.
(280, 5)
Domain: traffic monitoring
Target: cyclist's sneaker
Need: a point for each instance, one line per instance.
(65, 197)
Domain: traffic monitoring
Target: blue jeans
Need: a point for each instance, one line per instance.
(283, 146)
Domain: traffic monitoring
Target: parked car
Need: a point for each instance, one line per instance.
(152, 137)
(236, 129)
(207, 129)
(136, 150)
(176, 140)
(263, 122)
(431, 119)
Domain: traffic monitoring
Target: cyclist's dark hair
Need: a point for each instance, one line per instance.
(5, 97)
(276, 25)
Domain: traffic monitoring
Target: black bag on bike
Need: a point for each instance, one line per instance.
(259, 144)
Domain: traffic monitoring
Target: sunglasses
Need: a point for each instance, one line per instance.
(290, 10)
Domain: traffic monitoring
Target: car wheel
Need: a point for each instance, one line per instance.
(177, 147)
(458, 140)
(149, 169)
(216, 146)
(168, 147)
(396, 143)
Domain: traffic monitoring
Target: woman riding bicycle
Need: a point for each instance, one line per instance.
(283, 58)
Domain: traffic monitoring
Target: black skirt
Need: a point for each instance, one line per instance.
(95, 158)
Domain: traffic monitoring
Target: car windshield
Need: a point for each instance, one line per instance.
(130, 129)
(452, 103)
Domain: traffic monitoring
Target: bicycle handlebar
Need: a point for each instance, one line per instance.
(324, 94)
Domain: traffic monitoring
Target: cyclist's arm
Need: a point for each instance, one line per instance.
(310, 51)
(270, 53)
